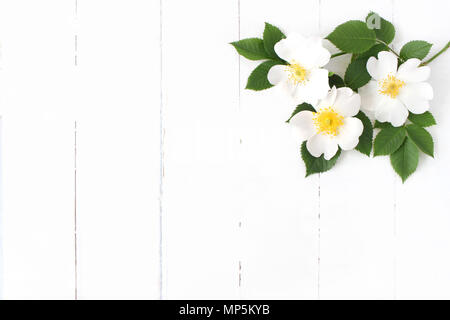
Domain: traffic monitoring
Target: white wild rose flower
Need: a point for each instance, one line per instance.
(303, 78)
(393, 93)
(332, 125)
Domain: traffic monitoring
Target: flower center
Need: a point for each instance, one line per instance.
(390, 86)
(328, 121)
(297, 74)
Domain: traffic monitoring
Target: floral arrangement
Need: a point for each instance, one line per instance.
(381, 89)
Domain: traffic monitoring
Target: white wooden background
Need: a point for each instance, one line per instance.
(135, 165)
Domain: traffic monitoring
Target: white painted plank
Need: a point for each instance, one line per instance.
(200, 103)
(423, 217)
(38, 153)
(1, 210)
(38, 208)
(118, 149)
(356, 199)
(279, 206)
(239, 218)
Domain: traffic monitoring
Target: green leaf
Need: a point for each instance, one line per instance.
(385, 32)
(372, 52)
(301, 107)
(382, 125)
(365, 140)
(352, 36)
(424, 120)
(405, 159)
(415, 49)
(389, 140)
(258, 78)
(422, 138)
(356, 75)
(317, 165)
(271, 36)
(335, 80)
(251, 48)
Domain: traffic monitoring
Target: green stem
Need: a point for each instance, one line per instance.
(338, 54)
(437, 54)
(390, 49)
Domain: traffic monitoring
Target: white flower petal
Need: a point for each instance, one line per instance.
(315, 88)
(319, 77)
(331, 150)
(347, 103)
(416, 96)
(418, 106)
(318, 83)
(322, 144)
(317, 55)
(287, 89)
(382, 113)
(399, 113)
(277, 74)
(308, 52)
(322, 57)
(423, 89)
(411, 72)
(392, 111)
(328, 101)
(303, 93)
(303, 125)
(370, 97)
(372, 67)
(385, 65)
(288, 47)
(349, 133)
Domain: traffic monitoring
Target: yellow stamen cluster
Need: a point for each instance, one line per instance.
(390, 86)
(297, 74)
(328, 121)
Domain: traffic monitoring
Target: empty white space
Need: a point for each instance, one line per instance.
(134, 164)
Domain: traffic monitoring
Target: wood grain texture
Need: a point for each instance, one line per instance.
(279, 207)
(200, 182)
(357, 200)
(423, 218)
(118, 149)
(37, 150)
(134, 165)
